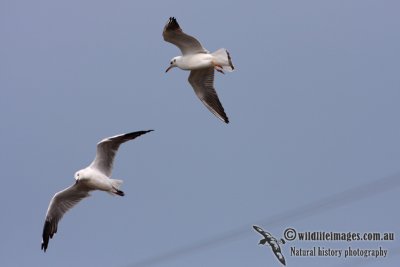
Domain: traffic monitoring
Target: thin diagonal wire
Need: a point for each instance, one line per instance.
(328, 203)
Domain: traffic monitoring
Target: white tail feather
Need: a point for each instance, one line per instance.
(222, 58)
(116, 183)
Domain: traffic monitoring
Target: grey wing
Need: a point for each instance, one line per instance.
(59, 205)
(277, 250)
(108, 147)
(202, 81)
(173, 34)
(259, 230)
(280, 257)
(275, 246)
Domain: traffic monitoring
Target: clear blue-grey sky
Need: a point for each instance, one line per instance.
(314, 110)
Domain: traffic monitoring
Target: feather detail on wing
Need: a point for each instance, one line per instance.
(108, 147)
(202, 81)
(59, 205)
(173, 34)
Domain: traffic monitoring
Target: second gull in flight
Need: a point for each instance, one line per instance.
(201, 64)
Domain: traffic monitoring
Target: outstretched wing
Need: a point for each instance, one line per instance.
(261, 231)
(59, 205)
(108, 147)
(173, 34)
(277, 251)
(202, 81)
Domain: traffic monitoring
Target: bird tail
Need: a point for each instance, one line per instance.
(223, 58)
(115, 185)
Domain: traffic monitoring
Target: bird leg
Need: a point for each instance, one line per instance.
(218, 67)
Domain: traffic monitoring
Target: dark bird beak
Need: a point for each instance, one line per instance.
(170, 67)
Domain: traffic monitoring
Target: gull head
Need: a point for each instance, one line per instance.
(173, 63)
(78, 175)
(83, 175)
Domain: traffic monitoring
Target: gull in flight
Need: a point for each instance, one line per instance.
(201, 64)
(94, 177)
(273, 242)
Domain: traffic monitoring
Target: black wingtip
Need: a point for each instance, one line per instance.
(173, 24)
(133, 135)
(44, 247)
(221, 114)
(147, 131)
(46, 235)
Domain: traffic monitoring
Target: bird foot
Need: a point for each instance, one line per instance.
(219, 70)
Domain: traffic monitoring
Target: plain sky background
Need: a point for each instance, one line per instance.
(314, 107)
